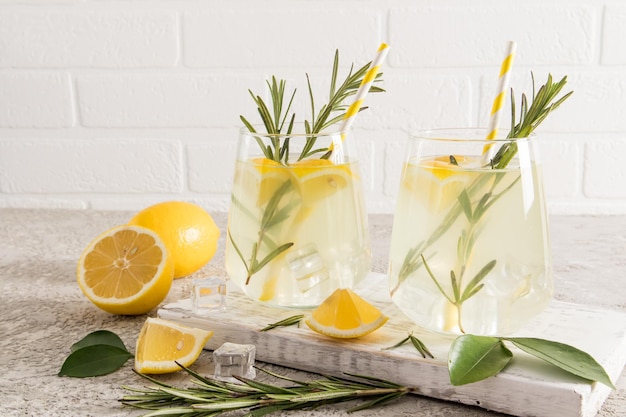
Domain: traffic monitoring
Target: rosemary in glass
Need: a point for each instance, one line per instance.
(474, 206)
(279, 124)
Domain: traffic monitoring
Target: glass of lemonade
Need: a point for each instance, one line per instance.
(469, 248)
(297, 225)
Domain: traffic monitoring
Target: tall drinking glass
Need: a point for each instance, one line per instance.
(469, 249)
(297, 225)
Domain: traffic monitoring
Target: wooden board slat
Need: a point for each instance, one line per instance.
(527, 388)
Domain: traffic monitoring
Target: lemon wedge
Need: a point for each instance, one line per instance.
(162, 343)
(345, 315)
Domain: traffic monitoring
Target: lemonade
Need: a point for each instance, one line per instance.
(469, 250)
(308, 218)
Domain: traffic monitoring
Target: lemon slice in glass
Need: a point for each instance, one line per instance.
(261, 178)
(437, 181)
(320, 178)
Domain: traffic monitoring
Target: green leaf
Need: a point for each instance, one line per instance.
(456, 291)
(566, 357)
(474, 358)
(466, 204)
(470, 290)
(230, 237)
(94, 360)
(99, 337)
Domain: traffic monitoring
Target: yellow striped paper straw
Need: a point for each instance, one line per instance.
(365, 86)
(498, 102)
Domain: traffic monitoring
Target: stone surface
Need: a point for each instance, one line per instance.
(43, 311)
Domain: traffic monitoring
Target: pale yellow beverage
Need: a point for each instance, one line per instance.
(308, 217)
(469, 250)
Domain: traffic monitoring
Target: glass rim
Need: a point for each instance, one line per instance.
(297, 132)
(464, 134)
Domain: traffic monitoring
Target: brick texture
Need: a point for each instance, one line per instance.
(117, 105)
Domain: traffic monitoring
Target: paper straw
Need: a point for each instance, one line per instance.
(365, 86)
(498, 102)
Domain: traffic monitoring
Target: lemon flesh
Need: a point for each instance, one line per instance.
(162, 343)
(437, 182)
(345, 315)
(320, 178)
(126, 270)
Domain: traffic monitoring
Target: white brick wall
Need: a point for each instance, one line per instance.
(116, 105)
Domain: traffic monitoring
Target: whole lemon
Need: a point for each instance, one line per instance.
(188, 231)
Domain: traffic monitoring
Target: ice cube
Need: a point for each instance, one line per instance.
(233, 359)
(307, 267)
(208, 295)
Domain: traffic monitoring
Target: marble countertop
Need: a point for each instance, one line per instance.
(44, 312)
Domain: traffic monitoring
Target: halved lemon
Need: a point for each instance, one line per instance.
(162, 343)
(126, 270)
(345, 315)
(437, 181)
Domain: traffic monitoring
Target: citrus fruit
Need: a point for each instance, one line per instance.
(320, 178)
(162, 343)
(126, 270)
(263, 177)
(437, 181)
(188, 231)
(345, 315)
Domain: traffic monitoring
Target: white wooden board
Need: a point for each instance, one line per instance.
(528, 387)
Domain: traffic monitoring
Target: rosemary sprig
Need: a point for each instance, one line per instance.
(329, 114)
(272, 216)
(417, 344)
(474, 207)
(289, 321)
(544, 101)
(214, 398)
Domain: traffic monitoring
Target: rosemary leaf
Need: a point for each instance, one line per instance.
(421, 347)
(400, 343)
(469, 289)
(376, 402)
(258, 266)
(289, 321)
(418, 344)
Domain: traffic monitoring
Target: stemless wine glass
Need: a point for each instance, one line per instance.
(297, 225)
(469, 249)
